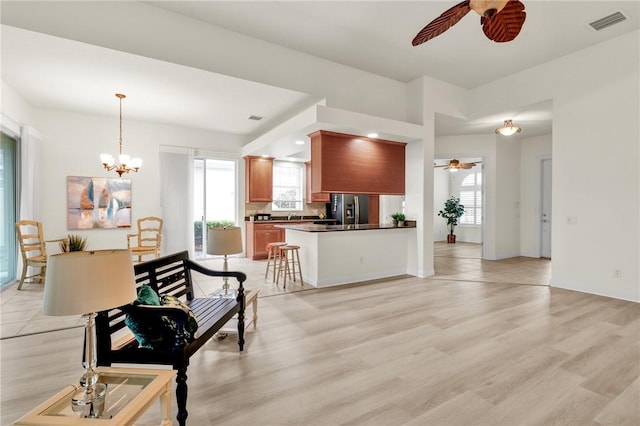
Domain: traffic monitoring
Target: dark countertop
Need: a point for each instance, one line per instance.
(336, 228)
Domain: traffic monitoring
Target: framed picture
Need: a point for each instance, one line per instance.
(95, 202)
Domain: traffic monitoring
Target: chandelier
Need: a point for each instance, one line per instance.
(126, 163)
(508, 129)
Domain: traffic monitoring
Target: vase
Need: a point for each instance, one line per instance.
(400, 223)
(451, 238)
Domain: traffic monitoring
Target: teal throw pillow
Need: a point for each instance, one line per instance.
(154, 332)
(147, 296)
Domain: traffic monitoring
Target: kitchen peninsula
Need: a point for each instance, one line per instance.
(332, 255)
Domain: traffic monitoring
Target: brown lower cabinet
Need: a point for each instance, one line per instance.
(258, 236)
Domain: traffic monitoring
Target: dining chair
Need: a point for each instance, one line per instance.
(148, 239)
(33, 248)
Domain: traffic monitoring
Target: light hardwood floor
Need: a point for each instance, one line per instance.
(408, 351)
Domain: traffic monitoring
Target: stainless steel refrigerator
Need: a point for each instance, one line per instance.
(349, 209)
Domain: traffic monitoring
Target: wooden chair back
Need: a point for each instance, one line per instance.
(33, 250)
(148, 239)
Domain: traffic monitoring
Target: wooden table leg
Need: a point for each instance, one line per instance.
(255, 312)
(165, 405)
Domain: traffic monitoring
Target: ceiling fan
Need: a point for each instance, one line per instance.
(455, 165)
(501, 20)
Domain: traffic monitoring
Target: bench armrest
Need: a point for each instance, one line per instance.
(240, 276)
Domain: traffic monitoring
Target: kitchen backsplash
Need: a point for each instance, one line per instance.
(310, 209)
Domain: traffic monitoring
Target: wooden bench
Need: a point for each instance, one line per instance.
(169, 275)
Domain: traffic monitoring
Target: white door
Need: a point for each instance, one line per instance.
(545, 248)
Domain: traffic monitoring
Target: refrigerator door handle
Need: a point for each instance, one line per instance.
(357, 208)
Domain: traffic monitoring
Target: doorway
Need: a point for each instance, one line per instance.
(545, 208)
(215, 198)
(467, 184)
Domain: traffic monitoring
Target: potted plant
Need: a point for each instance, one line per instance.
(73, 243)
(451, 212)
(398, 219)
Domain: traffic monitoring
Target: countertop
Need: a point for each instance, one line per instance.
(336, 228)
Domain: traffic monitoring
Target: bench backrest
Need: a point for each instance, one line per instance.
(166, 275)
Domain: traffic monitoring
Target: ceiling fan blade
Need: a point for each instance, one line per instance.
(506, 24)
(442, 23)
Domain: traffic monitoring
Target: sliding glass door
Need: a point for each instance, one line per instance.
(215, 198)
(8, 190)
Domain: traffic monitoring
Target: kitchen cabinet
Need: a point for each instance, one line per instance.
(313, 197)
(258, 235)
(258, 179)
(353, 164)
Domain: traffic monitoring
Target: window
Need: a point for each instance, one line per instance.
(471, 199)
(288, 182)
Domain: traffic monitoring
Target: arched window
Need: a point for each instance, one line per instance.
(471, 199)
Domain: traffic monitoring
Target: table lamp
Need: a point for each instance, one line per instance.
(85, 282)
(224, 241)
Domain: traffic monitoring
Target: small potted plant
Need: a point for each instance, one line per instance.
(451, 212)
(73, 243)
(398, 219)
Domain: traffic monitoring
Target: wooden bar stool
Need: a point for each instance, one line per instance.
(273, 258)
(289, 259)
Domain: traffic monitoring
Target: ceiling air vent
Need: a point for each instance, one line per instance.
(607, 21)
(255, 117)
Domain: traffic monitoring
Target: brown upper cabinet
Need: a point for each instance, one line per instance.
(313, 197)
(258, 179)
(356, 164)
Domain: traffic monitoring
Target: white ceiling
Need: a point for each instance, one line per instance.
(374, 36)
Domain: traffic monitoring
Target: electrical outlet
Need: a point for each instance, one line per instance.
(572, 220)
(617, 273)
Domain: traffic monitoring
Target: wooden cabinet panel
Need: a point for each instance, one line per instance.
(258, 235)
(258, 179)
(374, 209)
(313, 197)
(354, 164)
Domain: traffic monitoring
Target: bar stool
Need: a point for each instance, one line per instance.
(290, 256)
(273, 258)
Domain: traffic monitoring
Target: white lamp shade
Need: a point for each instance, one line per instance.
(83, 282)
(224, 240)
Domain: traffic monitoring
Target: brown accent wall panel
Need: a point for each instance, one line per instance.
(356, 164)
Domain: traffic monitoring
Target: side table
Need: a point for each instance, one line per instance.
(130, 392)
(250, 300)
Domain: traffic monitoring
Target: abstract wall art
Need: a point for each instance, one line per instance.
(98, 203)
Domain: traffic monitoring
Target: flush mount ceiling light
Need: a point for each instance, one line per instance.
(508, 129)
(127, 163)
(372, 135)
(299, 142)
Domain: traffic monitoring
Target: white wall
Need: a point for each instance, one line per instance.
(506, 207)
(595, 160)
(72, 144)
(532, 151)
(441, 192)
(15, 110)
